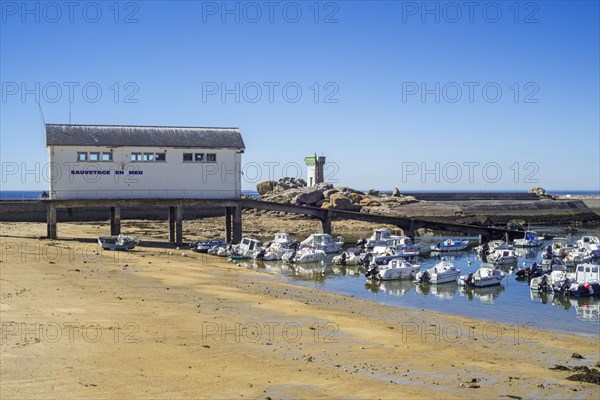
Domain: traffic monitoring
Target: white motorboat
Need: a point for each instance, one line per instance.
(394, 270)
(443, 272)
(278, 247)
(380, 237)
(304, 255)
(450, 245)
(591, 243)
(485, 276)
(347, 258)
(322, 241)
(247, 248)
(530, 239)
(503, 257)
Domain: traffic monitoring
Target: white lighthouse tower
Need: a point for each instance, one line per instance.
(315, 167)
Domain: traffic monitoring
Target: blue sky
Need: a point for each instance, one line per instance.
(503, 96)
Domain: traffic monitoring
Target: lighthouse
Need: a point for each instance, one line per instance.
(315, 167)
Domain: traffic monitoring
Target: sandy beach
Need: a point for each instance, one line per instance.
(79, 322)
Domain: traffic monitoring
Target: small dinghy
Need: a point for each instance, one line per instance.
(450, 245)
(118, 243)
(395, 270)
(485, 276)
(443, 272)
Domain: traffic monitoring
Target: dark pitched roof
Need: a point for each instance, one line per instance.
(154, 136)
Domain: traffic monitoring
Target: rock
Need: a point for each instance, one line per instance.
(310, 198)
(323, 186)
(373, 192)
(396, 192)
(577, 355)
(329, 192)
(320, 202)
(340, 202)
(355, 197)
(406, 200)
(265, 187)
(370, 202)
(326, 204)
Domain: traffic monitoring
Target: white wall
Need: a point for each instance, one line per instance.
(173, 178)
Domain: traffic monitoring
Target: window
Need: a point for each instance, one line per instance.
(594, 269)
(148, 157)
(211, 157)
(94, 156)
(199, 157)
(82, 156)
(161, 157)
(106, 156)
(187, 157)
(136, 156)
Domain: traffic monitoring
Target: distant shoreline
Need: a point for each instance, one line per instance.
(573, 194)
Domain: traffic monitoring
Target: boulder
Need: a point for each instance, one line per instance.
(373, 192)
(323, 186)
(329, 192)
(310, 198)
(326, 204)
(340, 202)
(396, 192)
(265, 187)
(370, 203)
(355, 197)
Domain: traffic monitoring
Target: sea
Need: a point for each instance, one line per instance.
(511, 303)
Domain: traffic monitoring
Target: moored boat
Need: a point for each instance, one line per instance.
(450, 245)
(118, 242)
(485, 276)
(394, 270)
(442, 272)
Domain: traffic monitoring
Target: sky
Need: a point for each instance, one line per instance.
(415, 95)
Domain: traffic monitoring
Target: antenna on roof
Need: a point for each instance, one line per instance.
(43, 119)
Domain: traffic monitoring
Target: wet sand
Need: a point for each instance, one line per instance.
(78, 322)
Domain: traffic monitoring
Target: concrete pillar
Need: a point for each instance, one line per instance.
(326, 225)
(179, 225)
(51, 221)
(411, 229)
(228, 224)
(115, 221)
(237, 223)
(172, 224)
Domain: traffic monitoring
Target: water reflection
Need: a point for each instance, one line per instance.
(443, 291)
(486, 295)
(395, 288)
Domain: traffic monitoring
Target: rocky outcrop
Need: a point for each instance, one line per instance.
(325, 195)
(541, 192)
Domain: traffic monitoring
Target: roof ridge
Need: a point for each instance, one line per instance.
(148, 126)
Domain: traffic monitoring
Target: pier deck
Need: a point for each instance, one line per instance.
(233, 216)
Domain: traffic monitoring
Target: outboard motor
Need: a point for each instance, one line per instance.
(469, 280)
(565, 287)
(543, 284)
(343, 258)
(261, 255)
(372, 272)
(361, 242)
(365, 260)
(425, 278)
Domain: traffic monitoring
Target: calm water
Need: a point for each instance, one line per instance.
(511, 303)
